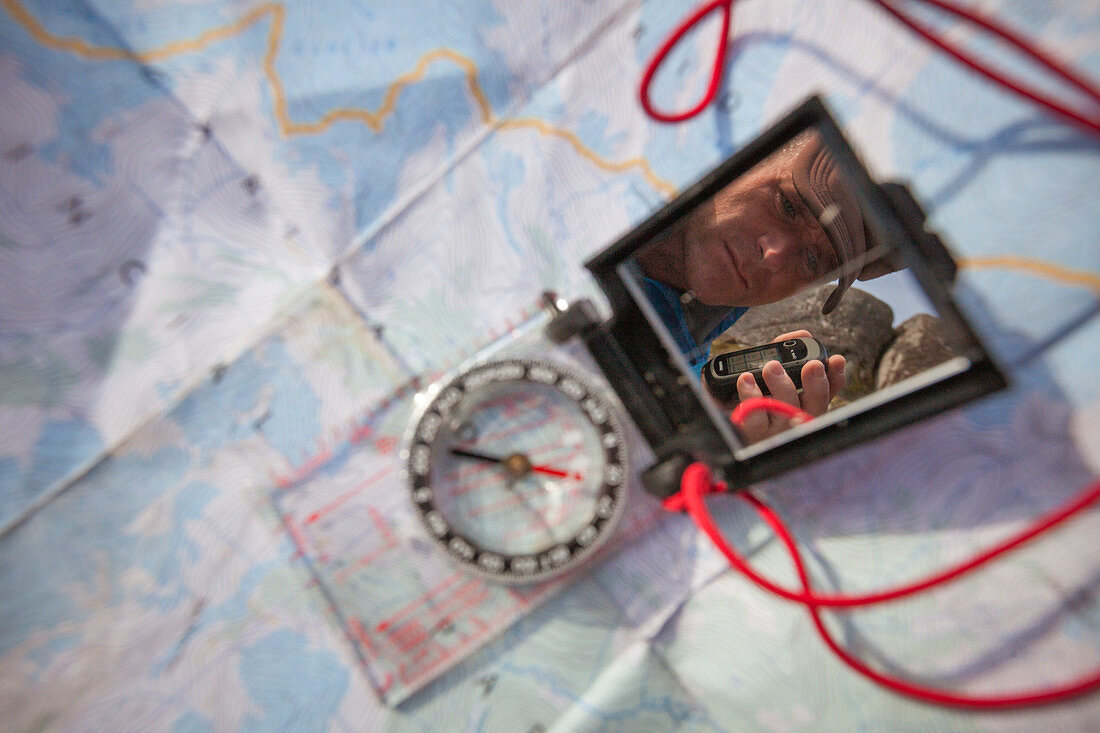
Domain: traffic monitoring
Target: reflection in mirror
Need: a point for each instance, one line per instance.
(772, 257)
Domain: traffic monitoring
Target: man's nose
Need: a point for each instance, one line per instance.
(776, 249)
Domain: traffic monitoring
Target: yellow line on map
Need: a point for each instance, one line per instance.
(1066, 275)
(374, 120)
(570, 137)
(80, 48)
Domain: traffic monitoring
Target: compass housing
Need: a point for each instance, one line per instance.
(475, 468)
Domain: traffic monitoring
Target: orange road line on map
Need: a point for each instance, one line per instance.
(1066, 275)
(585, 152)
(79, 47)
(374, 120)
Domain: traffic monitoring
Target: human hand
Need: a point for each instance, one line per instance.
(819, 386)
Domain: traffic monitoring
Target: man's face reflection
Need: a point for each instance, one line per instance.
(755, 242)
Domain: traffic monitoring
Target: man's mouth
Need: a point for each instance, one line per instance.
(735, 266)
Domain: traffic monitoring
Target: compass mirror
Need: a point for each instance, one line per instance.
(787, 272)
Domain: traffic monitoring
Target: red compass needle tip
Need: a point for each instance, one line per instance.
(548, 471)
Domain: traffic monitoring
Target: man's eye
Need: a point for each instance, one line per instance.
(787, 206)
(811, 262)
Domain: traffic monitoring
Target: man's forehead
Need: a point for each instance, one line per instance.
(824, 186)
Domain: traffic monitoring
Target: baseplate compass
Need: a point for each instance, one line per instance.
(518, 468)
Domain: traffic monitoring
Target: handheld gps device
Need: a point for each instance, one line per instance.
(722, 372)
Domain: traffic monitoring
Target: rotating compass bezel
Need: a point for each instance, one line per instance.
(596, 406)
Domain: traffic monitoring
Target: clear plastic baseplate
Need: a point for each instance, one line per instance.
(410, 612)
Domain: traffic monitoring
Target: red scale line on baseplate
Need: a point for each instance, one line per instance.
(399, 633)
(458, 650)
(355, 626)
(414, 676)
(297, 536)
(389, 542)
(466, 597)
(408, 636)
(338, 501)
(443, 653)
(383, 526)
(423, 599)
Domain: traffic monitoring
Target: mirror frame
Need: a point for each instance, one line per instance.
(690, 426)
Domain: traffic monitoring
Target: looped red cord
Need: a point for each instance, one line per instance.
(904, 687)
(767, 404)
(715, 75)
(696, 483)
(1089, 121)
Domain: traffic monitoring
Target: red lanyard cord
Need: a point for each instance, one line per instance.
(1028, 49)
(696, 483)
(1089, 122)
(930, 694)
(693, 489)
(715, 75)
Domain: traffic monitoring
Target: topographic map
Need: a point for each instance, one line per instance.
(236, 238)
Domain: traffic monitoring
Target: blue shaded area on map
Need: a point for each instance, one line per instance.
(192, 722)
(296, 687)
(326, 61)
(86, 533)
(61, 446)
(209, 416)
(980, 178)
(95, 92)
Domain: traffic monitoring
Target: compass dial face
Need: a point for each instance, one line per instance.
(517, 469)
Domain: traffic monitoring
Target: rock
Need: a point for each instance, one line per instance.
(919, 344)
(859, 329)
